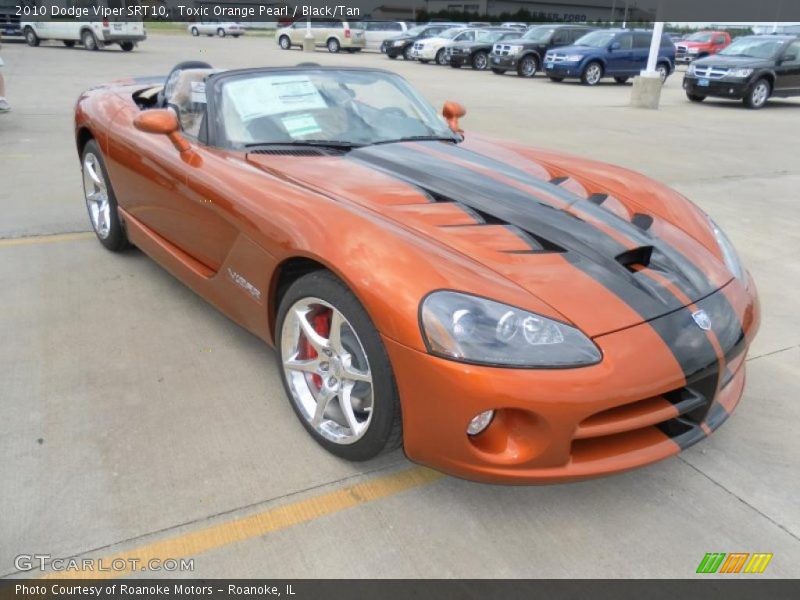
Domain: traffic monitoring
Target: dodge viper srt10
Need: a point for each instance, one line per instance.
(505, 313)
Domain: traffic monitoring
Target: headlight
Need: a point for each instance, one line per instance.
(692, 50)
(398, 43)
(574, 58)
(739, 73)
(476, 330)
(690, 70)
(729, 254)
(514, 49)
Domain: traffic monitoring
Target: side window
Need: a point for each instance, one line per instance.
(625, 41)
(336, 25)
(642, 40)
(793, 49)
(559, 38)
(720, 39)
(467, 36)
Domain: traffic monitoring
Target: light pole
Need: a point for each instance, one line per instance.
(647, 86)
(308, 41)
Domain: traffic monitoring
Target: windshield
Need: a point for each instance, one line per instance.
(488, 36)
(596, 39)
(341, 107)
(450, 33)
(416, 30)
(754, 48)
(699, 37)
(538, 34)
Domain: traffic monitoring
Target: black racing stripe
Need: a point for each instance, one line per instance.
(692, 281)
(725, 324)
(716, 416)
(588, 248)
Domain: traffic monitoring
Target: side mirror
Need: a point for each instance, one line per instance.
(615, 46)
(452, 112)
(162, 121)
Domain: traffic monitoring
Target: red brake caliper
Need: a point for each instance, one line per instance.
(321, 322)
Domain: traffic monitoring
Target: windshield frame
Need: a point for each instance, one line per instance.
(212, 130)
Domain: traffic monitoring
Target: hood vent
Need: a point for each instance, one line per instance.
(636, 259)
(294, 151)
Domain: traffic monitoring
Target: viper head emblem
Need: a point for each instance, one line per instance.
(702, 319)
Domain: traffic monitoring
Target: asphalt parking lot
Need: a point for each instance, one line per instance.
(138, 421)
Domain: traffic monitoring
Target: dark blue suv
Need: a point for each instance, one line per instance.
(617, 53)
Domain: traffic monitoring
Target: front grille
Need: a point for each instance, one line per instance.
(502, 49)
(708, 72)
(418, 45)
(680, 51)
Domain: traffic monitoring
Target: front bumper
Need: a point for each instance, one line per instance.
(505, 63)
(736, 89)
(393, 50)
(563, 69)
(425, 53)
(459, 59)
(557, 425)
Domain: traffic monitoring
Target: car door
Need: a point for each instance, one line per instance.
(640, 52)
(153, 182)
(297, 32)
(620, 55)
(787, 71)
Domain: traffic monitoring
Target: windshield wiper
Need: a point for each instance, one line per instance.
(337, 144)
(419, 138)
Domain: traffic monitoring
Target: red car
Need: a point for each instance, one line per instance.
(700, 44)
(507, 314)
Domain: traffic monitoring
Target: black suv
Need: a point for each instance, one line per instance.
(402, 44)
(525, 53)
(751, 69)
(476, 52)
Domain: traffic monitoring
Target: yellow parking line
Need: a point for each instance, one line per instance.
(274, 519)
(46, 239)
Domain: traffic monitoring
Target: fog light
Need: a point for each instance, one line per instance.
(480, 422)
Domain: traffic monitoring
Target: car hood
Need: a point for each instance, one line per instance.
(600, 261)
(692, 44)
(716, 60)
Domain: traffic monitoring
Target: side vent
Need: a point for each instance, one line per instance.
(636, 259)
(558, 180)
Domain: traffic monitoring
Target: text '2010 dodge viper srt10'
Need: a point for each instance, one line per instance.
(507, 314)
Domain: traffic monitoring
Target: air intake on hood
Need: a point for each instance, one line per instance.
(635, 259)
(290, 151)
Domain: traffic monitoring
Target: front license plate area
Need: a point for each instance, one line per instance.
(703, 82)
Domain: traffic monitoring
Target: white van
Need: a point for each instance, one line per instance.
(93, 35)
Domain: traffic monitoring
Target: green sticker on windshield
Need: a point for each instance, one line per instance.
(300, 125)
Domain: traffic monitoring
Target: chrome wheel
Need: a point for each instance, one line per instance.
(327, 371)
(96, 192)
(759, 94)
(593, 74)
(441, 57)
(89, 41)
(285, 43)
(527, 68)
(662, 72)
(481, 61)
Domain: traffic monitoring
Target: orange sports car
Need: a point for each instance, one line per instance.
(507, 314)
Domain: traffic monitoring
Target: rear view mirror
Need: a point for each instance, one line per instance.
(162, 121)
(452, 112)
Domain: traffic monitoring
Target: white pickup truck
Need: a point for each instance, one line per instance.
(92, 34)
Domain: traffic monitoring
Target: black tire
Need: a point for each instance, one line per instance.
(195, 32)
(423, 61)
(221, 32)
(588, 76)
(695, 97)
(556, 79)
(454, 66)
(621, 80)
(285, 43)
(89, 41)
(333, 45)
(755, 98)
(31, 38)
(498, 71)
(407, 52)
(528, 65)
(235, 35)
(69, 43)
(480, 61)
(385, 429)
(126, 46)
(116, 240)
(391, 56)
(441, 57)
